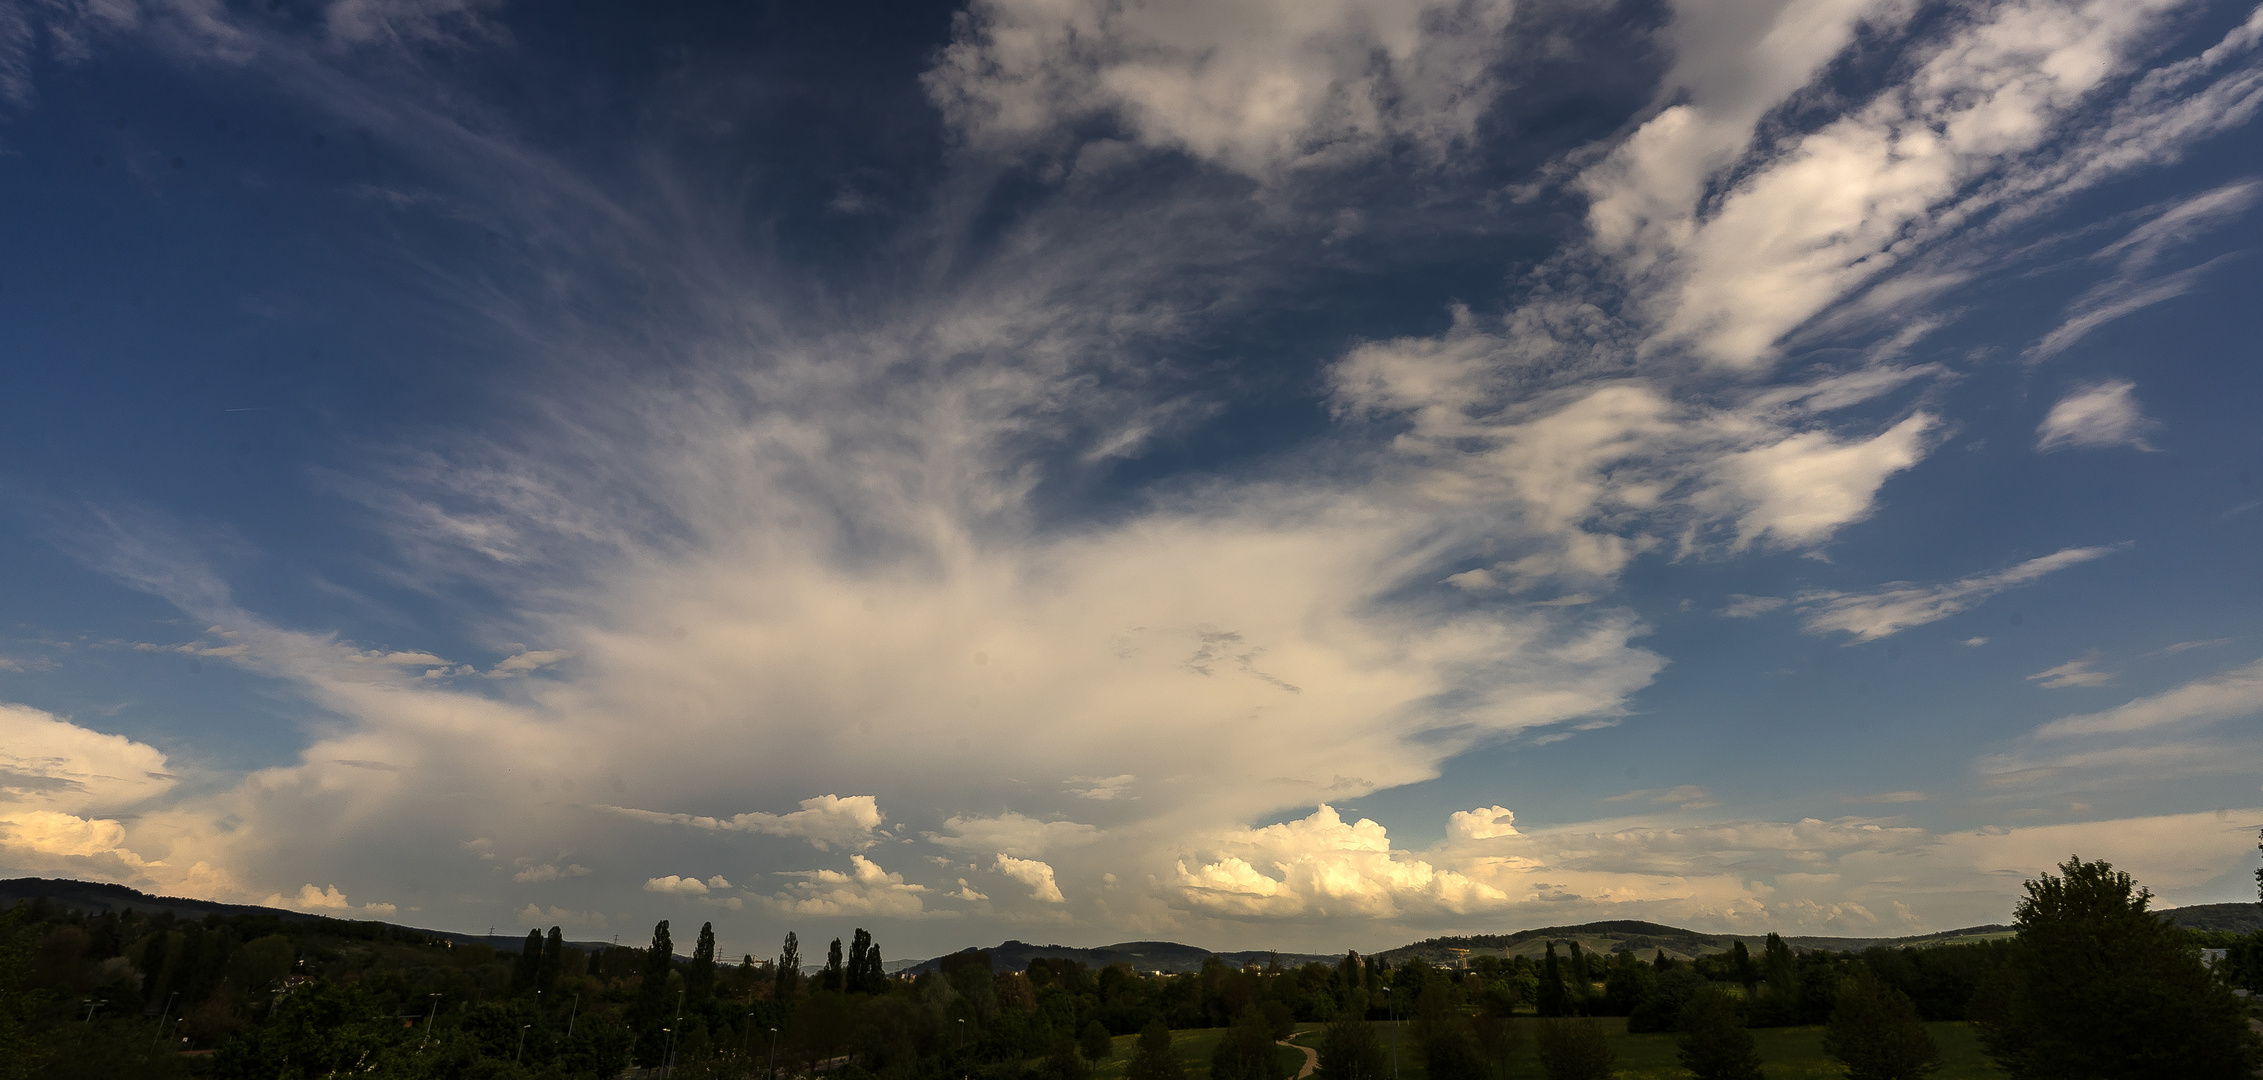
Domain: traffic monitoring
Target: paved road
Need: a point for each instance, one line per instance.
(1311, 1059)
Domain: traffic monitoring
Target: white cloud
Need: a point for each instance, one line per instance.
(1870, 616)
(586, 920)
(398, 23)
(1741, 606)
(548, 872)
(827, 821)
(1037, 877)
(326, 900)
(523, 663)
(1684, 797)
(1254, 86)
(1012, 834)
(1831, 209)
(2231, 694)
(49, 762)
(1102, 788)
(966, 892)
(1321, 866)
(684, 886)
(1483, 823)
(2081, 671)
(2100, 415)
(865, 890)
(2133, 286)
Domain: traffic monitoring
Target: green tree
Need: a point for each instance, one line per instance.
(1093, 1042)
(553, 961)
(1246, 1053)
(1496, 1036)
(2097, 987)
(1154, 1059)
(699, 976)
(1552, 1000)
(1575, 1050)
(852, 979)
(1874, 1032)
(1450, 1053)
(1714, 1044)
(833, 978)
(1350, 1050)
(529, 963)
(789, 968)
(1062, 1062)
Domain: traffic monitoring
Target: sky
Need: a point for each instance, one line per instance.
(1295, 474)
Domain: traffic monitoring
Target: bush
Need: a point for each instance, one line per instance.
(1875, 1032)
(1575, 1050)
(1350, 1050)
(1153, 1059)
(1714, 1043)
(1093, 1042)
(1661, 1008)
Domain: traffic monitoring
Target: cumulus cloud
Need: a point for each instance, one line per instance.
(1322, 866)
(827, 821)
(685, 886)
(1870, 616)
(1483, 823)
(548, 872)
(2100, 415)
(1037, 877)
(865, 889)
(325, 900)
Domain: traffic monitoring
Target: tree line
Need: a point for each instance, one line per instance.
(2094, 984)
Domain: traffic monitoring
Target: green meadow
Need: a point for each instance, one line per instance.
(1790, 1053)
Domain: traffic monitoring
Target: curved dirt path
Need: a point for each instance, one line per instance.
(1311, 1057)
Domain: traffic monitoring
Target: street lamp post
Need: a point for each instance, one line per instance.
(153, 1040)
(772, 1070)
(429, 1013)
(1392, 1008)
(570, 1014)
(522, 1043)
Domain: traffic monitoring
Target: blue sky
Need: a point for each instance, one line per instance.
(1300, 475)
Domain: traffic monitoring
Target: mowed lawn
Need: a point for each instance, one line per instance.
(1789, 1053)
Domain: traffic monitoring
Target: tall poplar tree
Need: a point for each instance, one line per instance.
(1551, 997)
(789, 968)
(699, 978)
(553, 961)
(860, 944)
(832, 977)
(528, 967)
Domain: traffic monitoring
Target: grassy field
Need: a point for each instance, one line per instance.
(1194, 1048)
(1790, 1054)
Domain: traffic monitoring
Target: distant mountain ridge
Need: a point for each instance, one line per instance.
(1169, 956)
(97, 897)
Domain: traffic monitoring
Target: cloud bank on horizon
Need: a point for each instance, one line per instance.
(1293, 474)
